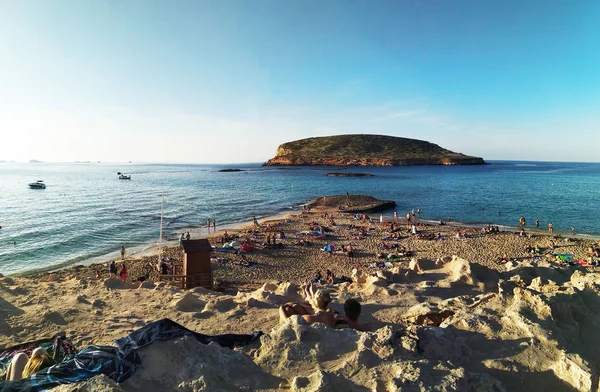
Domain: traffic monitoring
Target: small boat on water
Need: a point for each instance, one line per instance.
(39, 184)
(123, 176)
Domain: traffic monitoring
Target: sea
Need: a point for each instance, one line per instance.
(86, 213)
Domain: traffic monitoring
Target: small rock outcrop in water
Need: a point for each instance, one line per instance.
(366, 150)
(349, 175)
(230, 170)
(352, 203)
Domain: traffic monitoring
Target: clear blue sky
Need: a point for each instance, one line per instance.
(228, 81)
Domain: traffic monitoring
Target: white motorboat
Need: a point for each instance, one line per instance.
(39, 184)
(123, 176)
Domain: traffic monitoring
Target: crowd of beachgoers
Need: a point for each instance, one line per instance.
(326, 241)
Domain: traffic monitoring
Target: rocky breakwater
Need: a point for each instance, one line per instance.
(351, 203)
(366, 150)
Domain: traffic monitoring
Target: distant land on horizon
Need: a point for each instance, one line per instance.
(366, 150)
(238, 164)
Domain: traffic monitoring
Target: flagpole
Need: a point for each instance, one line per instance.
(161, 224)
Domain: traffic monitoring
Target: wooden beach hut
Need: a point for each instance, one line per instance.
(196, 264)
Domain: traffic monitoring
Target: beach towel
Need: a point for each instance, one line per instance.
(59, 347)
(395, 258)
(120, 362)
(564, 256)
(328, 248)
(86, 364)
(166, 329)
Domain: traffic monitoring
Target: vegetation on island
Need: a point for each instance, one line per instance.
(367, 150)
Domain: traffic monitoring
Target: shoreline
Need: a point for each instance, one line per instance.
(149, 249)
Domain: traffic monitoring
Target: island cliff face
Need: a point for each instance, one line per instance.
(366, 150)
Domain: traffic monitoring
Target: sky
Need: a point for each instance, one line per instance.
(228, 81)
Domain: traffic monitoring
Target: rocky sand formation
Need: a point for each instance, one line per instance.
(453, 326)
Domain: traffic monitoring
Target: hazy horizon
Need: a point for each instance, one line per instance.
(236, 163)
(229, 81)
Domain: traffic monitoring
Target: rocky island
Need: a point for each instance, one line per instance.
(348, 175)
(366, 150)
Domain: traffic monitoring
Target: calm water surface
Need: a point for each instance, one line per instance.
(86, 212)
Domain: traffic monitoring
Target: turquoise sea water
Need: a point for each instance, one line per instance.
(86, 212)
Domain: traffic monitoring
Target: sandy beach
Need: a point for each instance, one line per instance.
(455, 318)
(294, 262)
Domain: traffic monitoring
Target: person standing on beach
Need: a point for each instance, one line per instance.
(381, 218)
(395, 216)
(188, 236)
(255, 222)
(537, 223)
(122, 252)
(350, 252)
(550, 227)
(214, 225)
(123, 273)
(112, 269)
(573, 231)
(208, 225)
(347, 198)
(325, 201)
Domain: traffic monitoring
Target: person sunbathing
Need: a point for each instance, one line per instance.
(21, 366)
(329, 277)
(315, 309)
(592, 252)
(318, 277)
(352, 310)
